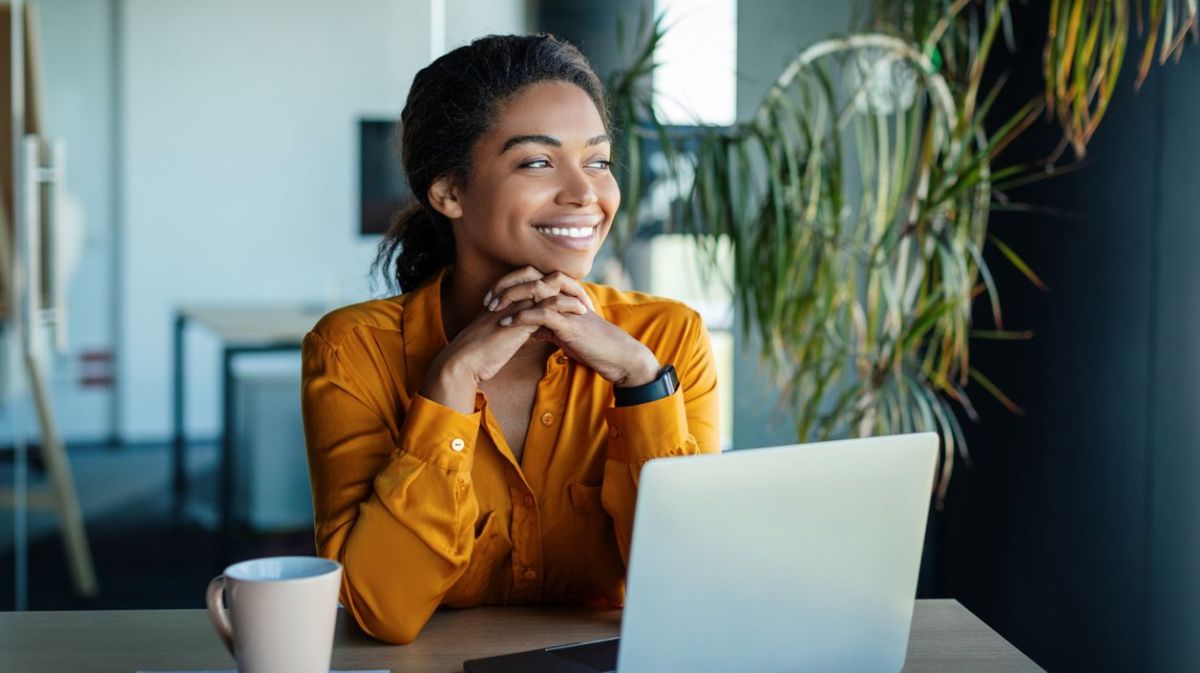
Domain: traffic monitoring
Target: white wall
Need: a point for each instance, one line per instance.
(469, 19)
(240, 163)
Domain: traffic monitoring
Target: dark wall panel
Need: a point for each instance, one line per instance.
(1046, 531)
(1174, 577)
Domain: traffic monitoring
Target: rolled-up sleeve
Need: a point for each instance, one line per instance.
(683, 423)
(395, 505)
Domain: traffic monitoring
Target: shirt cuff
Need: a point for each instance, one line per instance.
(439, 435)
(640, 432)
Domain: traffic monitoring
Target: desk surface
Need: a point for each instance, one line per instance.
(251, 324)
(945, 638)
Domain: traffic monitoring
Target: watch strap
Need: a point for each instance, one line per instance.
(663, 385)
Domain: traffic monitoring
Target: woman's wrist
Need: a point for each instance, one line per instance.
(451, 384)
(643, 370)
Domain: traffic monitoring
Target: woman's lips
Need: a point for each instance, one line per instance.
(574, 232)
(573, 238)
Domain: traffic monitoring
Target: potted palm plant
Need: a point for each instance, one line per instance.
(856, 200)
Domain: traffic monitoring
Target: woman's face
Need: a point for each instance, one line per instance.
(540, 191)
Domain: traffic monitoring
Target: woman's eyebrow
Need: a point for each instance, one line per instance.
(548, 140)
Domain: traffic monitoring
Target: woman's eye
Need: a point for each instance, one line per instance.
(602, 164)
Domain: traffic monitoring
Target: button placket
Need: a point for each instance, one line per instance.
(527, 559)
(545, 420)
(527, 542)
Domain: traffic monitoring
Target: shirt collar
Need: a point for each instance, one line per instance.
(424, 334)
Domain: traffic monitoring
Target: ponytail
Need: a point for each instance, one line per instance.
(418, 243)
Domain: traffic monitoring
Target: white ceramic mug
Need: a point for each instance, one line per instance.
(282, 612)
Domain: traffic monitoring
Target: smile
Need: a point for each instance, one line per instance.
(577, 239)
(568, 232)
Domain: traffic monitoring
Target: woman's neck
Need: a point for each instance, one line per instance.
(462, 299)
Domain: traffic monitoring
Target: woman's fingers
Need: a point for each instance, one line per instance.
(559, 303)
(542, 317)
(489, 346)
(533, 290)
(522, 275)
(569, 286)
(563, 303)
(539, 289)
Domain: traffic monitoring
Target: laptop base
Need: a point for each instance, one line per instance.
(597, 656)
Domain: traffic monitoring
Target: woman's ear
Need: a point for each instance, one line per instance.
(443, 196)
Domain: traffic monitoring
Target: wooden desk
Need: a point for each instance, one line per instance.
(242, 330)
(945, 638)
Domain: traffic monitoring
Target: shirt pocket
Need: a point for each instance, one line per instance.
(478, 582)
(593, 566)
(584, 499)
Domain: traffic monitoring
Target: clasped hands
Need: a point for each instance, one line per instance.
(527, 304)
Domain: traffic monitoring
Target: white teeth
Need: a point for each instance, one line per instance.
(569, 232)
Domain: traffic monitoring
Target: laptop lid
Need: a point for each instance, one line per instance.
(800, 557)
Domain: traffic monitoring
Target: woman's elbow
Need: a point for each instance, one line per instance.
(394, 631)
(390, 625)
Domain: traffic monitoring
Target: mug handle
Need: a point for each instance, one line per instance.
(216, 611)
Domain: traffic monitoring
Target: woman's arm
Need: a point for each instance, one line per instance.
(393, 497)
(398, 513)
(683, 423)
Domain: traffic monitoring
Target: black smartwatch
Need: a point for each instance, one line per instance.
(662, 386)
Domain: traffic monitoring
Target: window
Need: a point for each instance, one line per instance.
(695, 78)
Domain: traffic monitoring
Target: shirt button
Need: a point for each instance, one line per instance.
(530, 574)
(562, 359)
(614, 432)
(547, 418)
(457, 444)
(528, 500)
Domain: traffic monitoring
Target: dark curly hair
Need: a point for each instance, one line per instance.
(452, 103)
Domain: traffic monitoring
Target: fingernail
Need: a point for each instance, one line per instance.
(506, 320)
(495, 302)
(487, 299)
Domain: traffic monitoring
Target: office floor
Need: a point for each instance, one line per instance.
(145, 556)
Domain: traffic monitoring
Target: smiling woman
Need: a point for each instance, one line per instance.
(477, 439)
(540, 192)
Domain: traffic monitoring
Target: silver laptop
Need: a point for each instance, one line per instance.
(791, 558)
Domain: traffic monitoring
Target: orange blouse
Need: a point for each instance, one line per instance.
(425, 506)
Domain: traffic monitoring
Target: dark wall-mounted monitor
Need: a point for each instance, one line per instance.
(383, 188)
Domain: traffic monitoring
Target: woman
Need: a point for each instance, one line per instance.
(478, 438)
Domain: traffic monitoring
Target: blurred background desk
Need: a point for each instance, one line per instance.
(241, 330)
(946, 638)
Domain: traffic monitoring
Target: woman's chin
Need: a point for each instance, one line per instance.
(575, 268)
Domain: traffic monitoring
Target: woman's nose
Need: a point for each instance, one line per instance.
(576, 190)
